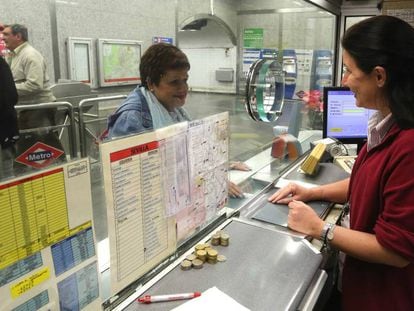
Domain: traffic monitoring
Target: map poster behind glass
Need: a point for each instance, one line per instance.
(118, 62)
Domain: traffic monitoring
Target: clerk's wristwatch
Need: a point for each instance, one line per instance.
(327, 233)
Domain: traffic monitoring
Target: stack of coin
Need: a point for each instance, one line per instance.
(199, 247)
(191, 257)
(215, 239)
(186, 265)
(212, 256)
(197, 263)
(224, 239)
(205, 252)
(201, 254)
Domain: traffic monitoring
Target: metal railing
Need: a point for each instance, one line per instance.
(67, 109)
(85, 105)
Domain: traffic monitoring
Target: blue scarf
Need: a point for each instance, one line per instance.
(161, 117)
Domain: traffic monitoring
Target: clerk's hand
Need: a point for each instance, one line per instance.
(291, 192)
(303, 218)
(235, 191)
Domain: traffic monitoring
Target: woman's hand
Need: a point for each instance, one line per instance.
(235, 191)
(303, 218)
(290, 192)
(240, 166)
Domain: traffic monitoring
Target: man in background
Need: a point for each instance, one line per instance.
(32, 83)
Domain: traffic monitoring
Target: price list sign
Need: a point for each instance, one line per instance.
(140, 227)
(34, 215)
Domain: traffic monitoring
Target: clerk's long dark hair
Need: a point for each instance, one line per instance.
(388, 42)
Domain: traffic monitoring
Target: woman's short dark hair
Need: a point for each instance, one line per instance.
(388, 42)
(158, 59)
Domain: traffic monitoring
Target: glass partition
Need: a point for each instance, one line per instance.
(294, 35)
(264, 63)
(273, 118)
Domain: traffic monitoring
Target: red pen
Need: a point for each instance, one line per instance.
(172, 297)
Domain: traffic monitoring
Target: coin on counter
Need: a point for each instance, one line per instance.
(212, 253)
(224, 239)
(201, 254)
(197, 263)
(224, 235)
(186, 265)
(215, 239)
(221, 258)
(212, 256)
(212, 260)
(199, 247)
(191, 257)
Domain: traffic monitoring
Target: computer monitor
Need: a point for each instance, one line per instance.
(342, 119)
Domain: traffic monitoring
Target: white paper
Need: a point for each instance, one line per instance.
(212, 299)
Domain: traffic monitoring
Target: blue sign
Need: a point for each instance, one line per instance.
(162, 39)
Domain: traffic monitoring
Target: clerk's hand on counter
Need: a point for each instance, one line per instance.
(235, 191)
(291, 192)
(240, 166)
(302, 218)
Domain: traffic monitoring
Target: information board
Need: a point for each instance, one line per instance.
(253, 38)
(118, 62)
(161, 186)
(47, 246)
(81, 61)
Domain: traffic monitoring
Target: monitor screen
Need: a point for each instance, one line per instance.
(343, 120)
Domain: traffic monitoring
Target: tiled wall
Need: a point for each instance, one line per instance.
(143, 19)
(132, 20)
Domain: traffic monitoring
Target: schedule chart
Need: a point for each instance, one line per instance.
(34, 215)
(138, 204)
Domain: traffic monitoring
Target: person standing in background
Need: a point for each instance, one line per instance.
(32, 83)
(8, 120)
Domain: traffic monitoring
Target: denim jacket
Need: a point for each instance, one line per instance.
(132, 117)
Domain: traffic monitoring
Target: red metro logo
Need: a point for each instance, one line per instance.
(39, 155)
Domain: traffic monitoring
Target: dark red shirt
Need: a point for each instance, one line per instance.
(382, 203)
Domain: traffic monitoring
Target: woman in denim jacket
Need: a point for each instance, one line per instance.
(158, 101)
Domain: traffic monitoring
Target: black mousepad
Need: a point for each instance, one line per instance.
(277, 213)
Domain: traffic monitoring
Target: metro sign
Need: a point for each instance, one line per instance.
(39, 155)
